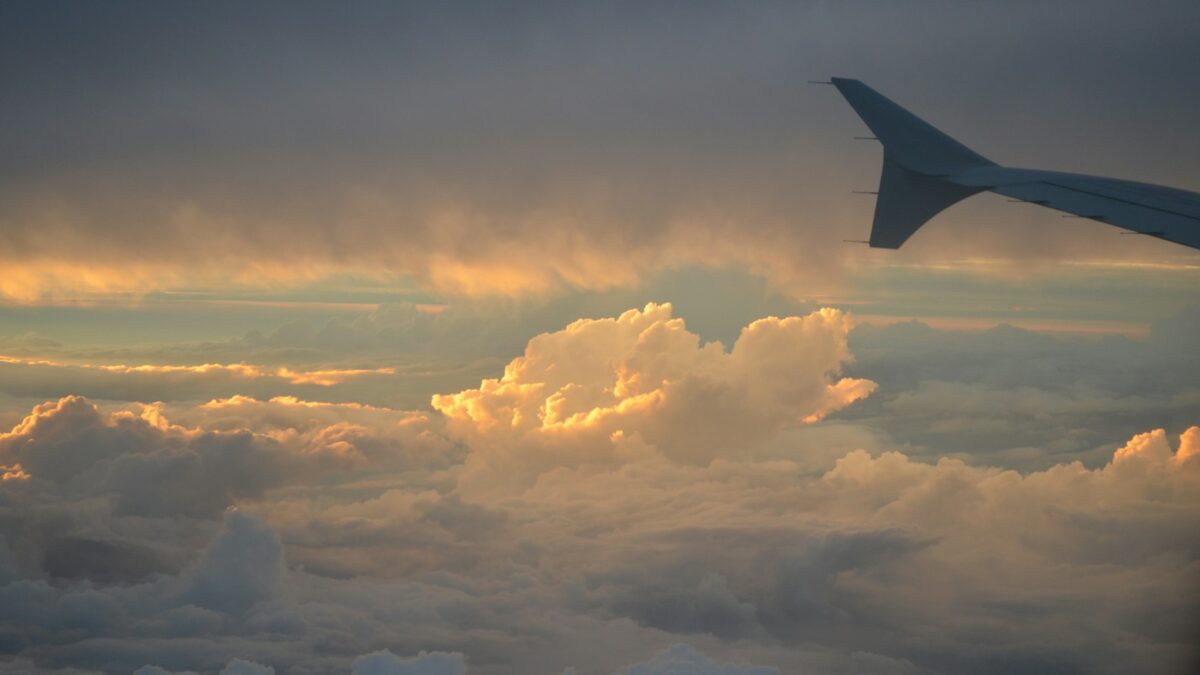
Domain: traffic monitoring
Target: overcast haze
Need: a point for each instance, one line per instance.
(406, 338)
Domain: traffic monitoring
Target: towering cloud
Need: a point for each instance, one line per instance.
(601, 391)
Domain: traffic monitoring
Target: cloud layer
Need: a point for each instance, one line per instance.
(514, 152)
(622, 487)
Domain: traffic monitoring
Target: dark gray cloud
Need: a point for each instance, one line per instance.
(241, 567)
(791, 594)
(515, 150)
(387, 663)
(684, 659)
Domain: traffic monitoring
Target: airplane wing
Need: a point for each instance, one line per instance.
(925, 171)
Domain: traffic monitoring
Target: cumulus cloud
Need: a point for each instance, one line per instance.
(863, 561)
(142, 461)
(243, 565)
(243, 667)
(683, 659)
(426, 663)
(604, 389)
(148, 477)
(242, 443)
(360, 529)
(887, 540)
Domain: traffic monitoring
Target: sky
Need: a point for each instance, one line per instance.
(489, 339)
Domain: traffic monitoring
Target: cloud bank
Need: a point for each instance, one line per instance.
(500, 153)
(622, 487)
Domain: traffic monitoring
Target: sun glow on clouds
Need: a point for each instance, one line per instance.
(322, 378)
(83, 282)
(621, 483)
(602, 388)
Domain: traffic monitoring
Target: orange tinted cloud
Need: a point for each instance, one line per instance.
(324, 377)
(601, 389)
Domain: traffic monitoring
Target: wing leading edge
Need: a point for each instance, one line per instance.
(925, 171)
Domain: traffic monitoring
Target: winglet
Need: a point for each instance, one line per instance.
(907, 200)
(916, 159)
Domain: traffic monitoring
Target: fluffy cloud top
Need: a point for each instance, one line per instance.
(245, 443)
(243, 667)
(69, 461)
(242, 566)
(683, 659)
(670, 491)
(426, 663)
(602, 389)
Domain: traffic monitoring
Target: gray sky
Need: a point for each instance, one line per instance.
(578, 143)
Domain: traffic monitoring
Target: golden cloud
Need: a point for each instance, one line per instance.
(323, 378)
(602, 389)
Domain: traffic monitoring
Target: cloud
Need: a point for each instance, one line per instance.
(360, 147)
(696, 586)
(152, 476)
(360, 528)
(1022, 399)
(323, 378)
(146, 464)
(241, 667)
(241, 567)
(234, 667)
(683, 659)
(242, 442)
(920, 548)
(426, 663)
(879, 564)
(8, 564)
(39, 377)
(604, 389)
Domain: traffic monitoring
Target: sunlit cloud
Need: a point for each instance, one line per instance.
(602, 389)
(235, 371)
(623, 482)
(737, 553)
(13, 472)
